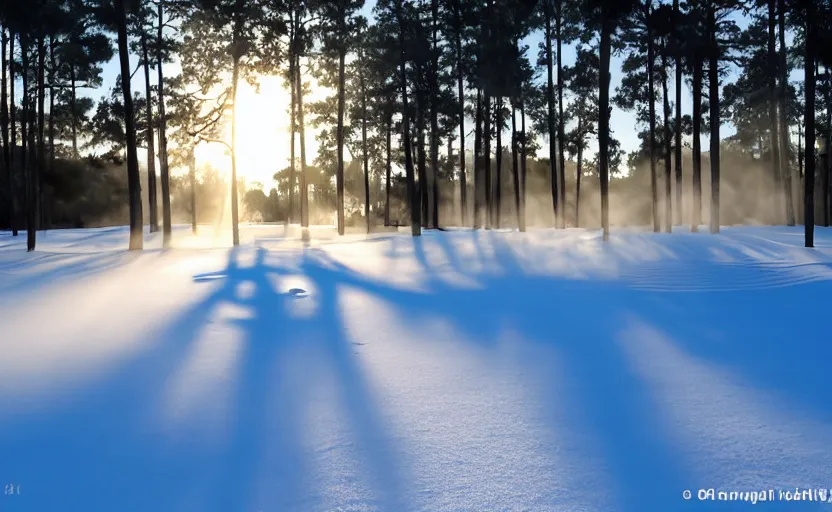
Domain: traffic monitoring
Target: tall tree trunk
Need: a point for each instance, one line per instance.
(678, 124)
(522, 163)
(515, 170)
(235, 77)
(387, 169)
(31, 147)
(4, 127)
(25, 132)
(785, 149)
(478, 178)
(774, 143)
(463, 184)
(486, 157)
(578, 174)
(696, 207)
(421, 157)
(809, 119)
(651, 93)
(799, 176)
(498, 185)
(550, 107)
(668, 155)
(604, 121)
(713, 97)
(826, 190)
(364, 153)
(13, 131)
(561, 120)
(421, 164)
(408, 152)
(434, 113)
(41, 124)
(192, 177)
(449, 164)
(52, 66)
(133, 179)
(292, 120)
(304, 186)
(760, 143)
(339, 171)
(163, 134)
(151, 143)
(73, 111)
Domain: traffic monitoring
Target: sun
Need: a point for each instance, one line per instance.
(263, 131)
(263, 123)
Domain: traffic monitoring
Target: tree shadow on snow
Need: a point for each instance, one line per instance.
(108, 448)
(747, 335)
(112, 445)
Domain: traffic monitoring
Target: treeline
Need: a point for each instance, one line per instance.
(411, 84)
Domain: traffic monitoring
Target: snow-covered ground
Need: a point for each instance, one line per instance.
(545, 371)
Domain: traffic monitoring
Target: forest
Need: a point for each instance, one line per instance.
(415, 255)
(426, 113)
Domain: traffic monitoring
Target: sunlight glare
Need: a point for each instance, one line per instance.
(263, 130)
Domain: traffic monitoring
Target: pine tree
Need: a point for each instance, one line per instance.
(229, 25)
(582, 81)
(809, 9)
(605, 15)
(401, 22)
(4, 126)
(637, 89)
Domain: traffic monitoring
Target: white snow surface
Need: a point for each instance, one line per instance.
(462, 370)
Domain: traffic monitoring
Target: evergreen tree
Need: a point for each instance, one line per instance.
(227, 42)
(582, 81)
(339, 24)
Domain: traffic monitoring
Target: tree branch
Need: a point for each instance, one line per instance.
(138, 67)
(313, 18)
(68, 86)
(211, 141)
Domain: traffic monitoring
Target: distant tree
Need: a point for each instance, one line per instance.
(567, 29)
(675, 49)
(582, 81)
(637, 89)
(413, 198)
(722, 32)
(108, 126)
(360, 113)
(458, 28)
(809, 11)
(665, 16)
(339, 26)
(164, 47)
(222, 40)
(604, 16)
(695, 53)
(282, 19)
(191, 120)
(141, 24)
(381, 81)
(113, 16)
(547, 57)
(79, 57)
(4, 127)
(782, 96)
(132, 160)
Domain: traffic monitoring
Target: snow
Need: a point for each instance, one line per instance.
(539, 371)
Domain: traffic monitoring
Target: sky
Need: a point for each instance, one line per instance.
(266, 119)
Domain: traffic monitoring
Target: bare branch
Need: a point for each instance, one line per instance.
(211, 141)
(138, 67)
(69, 86)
